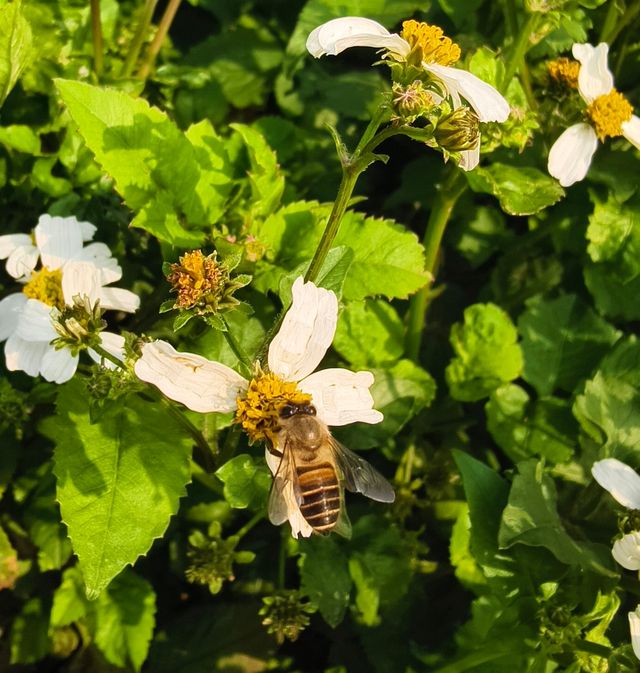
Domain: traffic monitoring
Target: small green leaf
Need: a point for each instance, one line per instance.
(246, 482)
(479, 236)
(30, 633)
(613, 296)
(21, 138)
(16, 49)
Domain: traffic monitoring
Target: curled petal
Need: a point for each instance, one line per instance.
(58, 366)
(24, 356)
(306, 332)
(634, 628)
(631, 130)
(469, 159)
(620, 480)
(58, 239)
(337, 35)
(571, 154)
(342, 397)
(9, 242)
(118, 299)
(112, 343)
(198, 383)
(626, 551)
(10, 310)
(22, 261)
(595, 78)
(34, 323)
(488, 103)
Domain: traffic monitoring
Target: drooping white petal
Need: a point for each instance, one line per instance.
(594, 78)
(634, 628)
(22, 261)
(113, 344)
(571, 154)
(198, 383)
(469, 159)
(34, 323)
(620, 480)
(341, 397)
(80, 279)
(118, 299)
(58, 239)
(631, 130)
(10, 309)
(9, 242)
(488, 103)
(306, 332)
(58, 366)
(337, 35)
(25, 356)
(626, 551)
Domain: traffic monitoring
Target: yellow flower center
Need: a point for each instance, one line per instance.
(259, 410)
(564, 71)
(429, 43)
(197, 279)
(608, 112)
(46, 286)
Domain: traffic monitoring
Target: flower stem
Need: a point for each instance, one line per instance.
(450, 191)
(519, 49)
(237, 349)
(614, 25)
(256, 518)
(136, 43)
(105, 355)
(154, 47)
(96, 31)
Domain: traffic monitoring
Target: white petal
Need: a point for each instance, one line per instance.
(469, 159)
(100, 256)
(571, 154)
(87, 230)
(118, 299)
(634, 628)
(80, 279)
(22, 261)
(620, 480)
(489, 104)
(25, 356)
(337, 35)
(200, 384)
(631, 130)
(341, 397)
(594, 78)
(34, 323)
(10, 310)
(58, 239)
(58, 366)
(306, 332)
(112, 343)
(9, 242)
(626, 551)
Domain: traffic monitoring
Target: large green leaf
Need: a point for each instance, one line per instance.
(16, 48)
(119, 480)
(246, 482)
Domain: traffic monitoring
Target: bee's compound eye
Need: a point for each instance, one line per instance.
(310, 409)
(287, 411)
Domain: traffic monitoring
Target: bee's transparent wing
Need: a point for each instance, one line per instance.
(361, 477)
(285, 490)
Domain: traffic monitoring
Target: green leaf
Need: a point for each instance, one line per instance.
(520, 191)
(613, 296)
(368, 322)
(522, 428)
(44, 179)
(30, 633)
(562, 339)
(324, 576)
(480, 235)
(246, 482)
(466, 568)
(119, 480)
(486, 353)
(531, 518)
(9, 566)
(16, 49)
(21, 138)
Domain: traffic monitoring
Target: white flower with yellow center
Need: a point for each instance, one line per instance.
(430, 50)
(608, 112)
(339, 395)
(69, 269)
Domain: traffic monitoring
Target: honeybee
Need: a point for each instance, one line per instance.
(314, 468)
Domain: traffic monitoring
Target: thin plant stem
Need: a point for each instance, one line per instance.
(138, 38)
(154, 47)
(237, 349)
(450, 191)
(256, 518)
(96, 32)
(612, 28)
(519, 49)
(282, 558)
(105, 355)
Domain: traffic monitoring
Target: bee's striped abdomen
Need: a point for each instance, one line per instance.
(320, 496)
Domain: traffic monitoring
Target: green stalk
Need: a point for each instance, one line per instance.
(105, 355)
(610, 32)
(519, 49)
(256, 518)
(96, 32)
(237, 349)
(136, 43)
(154, 47)
(450, 191)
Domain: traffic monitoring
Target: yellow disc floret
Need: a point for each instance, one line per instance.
(197, 279)
(564, 71)
(429, 43)
(259, 409)
(608, 113)
(46, 286)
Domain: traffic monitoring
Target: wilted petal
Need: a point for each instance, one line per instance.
(595, 78)
(198, 383)
(620, 480)
(22, 261)
(341, 397)
(488, 103)
(631, 130)
(25, 356)
(337, 35)
(58, 366)
(469, 159)
(34, 323)
(634, 628)
(10, 310)
(571, 154)
(9, 242)
(58, 239)
(306, 332)
(118, 299)
(113, 344)
(626, 551)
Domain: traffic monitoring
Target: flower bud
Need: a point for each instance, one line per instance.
(412, 101)
(458, 131)
(78, 325)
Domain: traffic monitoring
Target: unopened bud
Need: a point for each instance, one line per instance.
(458, 131)
(77, 326)
(411, 101)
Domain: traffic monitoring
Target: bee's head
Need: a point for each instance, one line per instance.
(289, 410)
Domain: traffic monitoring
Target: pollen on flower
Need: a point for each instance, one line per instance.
(564, 71)
(608, 112)
(429, 43)
(46, 286)
(196, 279)
(258, 411)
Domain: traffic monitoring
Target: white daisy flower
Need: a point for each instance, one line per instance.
(608, 112)
(339, 395)
(430, 50)
(634, 628)
(69, 269)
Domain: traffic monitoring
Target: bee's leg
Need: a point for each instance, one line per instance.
(274, 452)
